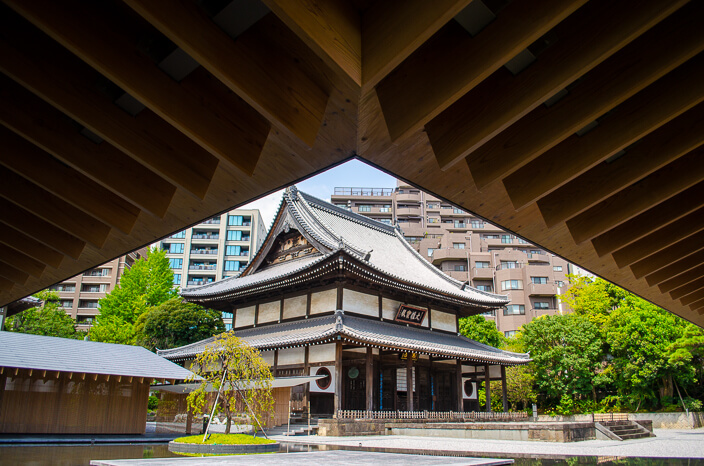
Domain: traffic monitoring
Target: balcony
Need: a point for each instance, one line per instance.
(542, 289)
(197, 282)
(363, 192)
(408, 211)
(538, 311)
(211, 252)
(408, 197)
(203, 267)
(441, 255)
(460, 275)
(433, 208)
(483, 273)
(211, 221)
(201, 236)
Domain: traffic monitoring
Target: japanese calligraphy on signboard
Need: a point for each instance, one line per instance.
(410, 315)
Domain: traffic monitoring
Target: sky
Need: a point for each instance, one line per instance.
(352, 174)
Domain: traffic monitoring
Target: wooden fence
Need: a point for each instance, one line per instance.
(603, 417)
(433, 415)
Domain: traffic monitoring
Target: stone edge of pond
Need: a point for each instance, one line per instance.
(222, 449)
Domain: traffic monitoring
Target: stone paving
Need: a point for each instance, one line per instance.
(667, 444)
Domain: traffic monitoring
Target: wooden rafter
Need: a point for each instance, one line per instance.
(22, 261)
(30, 247)
(682, 279)
(676, 268)
(13, 274)
(677, 250)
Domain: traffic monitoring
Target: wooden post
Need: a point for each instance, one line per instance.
(504, 391)
(487, 388)
(409, 382)
(460, 388)
(369, 372)
(338, 376)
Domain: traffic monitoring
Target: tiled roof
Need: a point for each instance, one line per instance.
(23, 351)
(365, 331)
(381, 247)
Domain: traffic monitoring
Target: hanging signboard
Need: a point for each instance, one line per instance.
(410, 315)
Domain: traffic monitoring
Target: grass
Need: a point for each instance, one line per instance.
(225, 439)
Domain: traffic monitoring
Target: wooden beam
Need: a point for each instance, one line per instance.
(639, 197)
(698, 306)
(393, 29)
(83, 29)
(12, 273)
(21, 111)
(676, 268)
(5, 284)
(640, 115)
(64, 81)
(682, 279)
(587, 38)
(21, 261)
(680, 136)
(287, 97)
(30, 247)
(23, 158)
(433, 77)
(676, 251)
(660, 239)
(686, 293)
(666, 212)
(331, 28)
(54, 210)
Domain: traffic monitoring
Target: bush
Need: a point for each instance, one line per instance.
(153, 403)
(225, 439)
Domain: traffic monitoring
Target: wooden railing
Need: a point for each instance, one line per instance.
(432, 415)
(603, 417)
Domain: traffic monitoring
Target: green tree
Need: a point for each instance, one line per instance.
(148, 283)
(48, 319)
(242, 378)
(593, 298)
(176, 323)
(482, 330)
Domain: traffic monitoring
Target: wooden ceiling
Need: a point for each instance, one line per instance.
(576, 124)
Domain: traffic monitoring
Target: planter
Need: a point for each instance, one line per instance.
(222, 449)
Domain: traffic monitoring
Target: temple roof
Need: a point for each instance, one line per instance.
(334, 230)
(363, 331)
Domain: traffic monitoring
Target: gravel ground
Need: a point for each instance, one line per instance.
(666, 444)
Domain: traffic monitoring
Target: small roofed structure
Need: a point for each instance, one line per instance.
(55, 385)
(338, 294)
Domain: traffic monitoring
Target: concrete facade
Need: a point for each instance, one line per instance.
(466, 247)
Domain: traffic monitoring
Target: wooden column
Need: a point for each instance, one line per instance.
(369, 372)
(460, 388)
(487, 388)
(409, 382)
(504, 394)
(338, 376)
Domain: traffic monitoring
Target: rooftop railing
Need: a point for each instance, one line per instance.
(363, 191)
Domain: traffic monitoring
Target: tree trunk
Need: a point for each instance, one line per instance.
(229, 424)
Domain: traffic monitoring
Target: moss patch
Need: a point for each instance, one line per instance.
(224, 439)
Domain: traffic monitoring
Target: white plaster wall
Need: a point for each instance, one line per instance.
(295, 307)
(443, 321)
(360, 303)
(269, 312)
(268, 357)
(322, 353)
(389, 307)
(244, 317)
(323, 301)
(290, 356)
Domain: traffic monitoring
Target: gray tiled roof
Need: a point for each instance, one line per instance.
(23, 351)
(382, 247)
(372, 332)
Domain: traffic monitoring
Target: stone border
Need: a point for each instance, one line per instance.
(222, 449)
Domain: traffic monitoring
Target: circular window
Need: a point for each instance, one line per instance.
(325, 382)
(353, 373)
(468, 388)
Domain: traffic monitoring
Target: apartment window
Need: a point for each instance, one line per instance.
(234, 235)
(509, 265)
(506, 239)
(458, 245)
(509, 333)
(433, 220)
(227, 315)
(522, 241)
(385, 208)
(177, 279)
(94, 288)
(65, 287)
(179, 235)
(491, 236)
(539, 280)
(491, 313)
(481, 264)
(430, 252)
(231, 266)
(457, 211)
(67, 303)
(414, 239)
(432, 206)
(487, 288)
(511, 285)
(515, 310)
(365, 208)
(559, 284)
(541, 305)
(174, 248)
(233, 250)
(385, 220)
(459, 224)
(537, 251)
(460, 268)
(88, 304)
(557, 268)
(477, 224)
(446, 207)
(176, 263)
(235, 220)
(97, 273)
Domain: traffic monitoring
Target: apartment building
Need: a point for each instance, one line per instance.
(80, 294)
(216, 248)
(468, 248)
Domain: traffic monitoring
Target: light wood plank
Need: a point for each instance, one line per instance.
(331, 28)
(682, 279)
(393, 29)
(639, 197)
(103, 163)
(675, 139)
(21, 261)
(695, 299)
(684, 293)
(41, 230)
(103, 43)
(23, 158)
(64, 81)
(639, 226)
(676, 268)
(590, 36)
(433, 77)
(13, 274)
(271, 83)
(672, 253)
(30, 247)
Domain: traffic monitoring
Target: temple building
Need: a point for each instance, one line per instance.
(337, 294)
